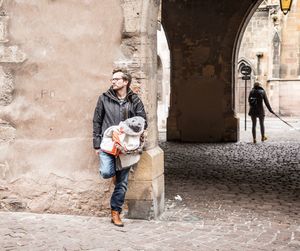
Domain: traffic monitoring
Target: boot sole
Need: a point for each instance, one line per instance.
(122, 225)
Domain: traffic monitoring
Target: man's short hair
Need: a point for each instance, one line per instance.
(126, 75)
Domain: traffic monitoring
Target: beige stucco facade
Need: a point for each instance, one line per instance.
(48, 164)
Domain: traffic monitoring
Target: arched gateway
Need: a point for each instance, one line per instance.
(56, 58)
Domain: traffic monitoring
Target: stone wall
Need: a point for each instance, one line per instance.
(254, 50)
(289, 92)
(289, 97)
(270, 45)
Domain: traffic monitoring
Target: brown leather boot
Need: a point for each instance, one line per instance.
(115, 219)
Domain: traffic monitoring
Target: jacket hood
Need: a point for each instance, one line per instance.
(112, 94)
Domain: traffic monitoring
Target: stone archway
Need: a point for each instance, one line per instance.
(203, 63)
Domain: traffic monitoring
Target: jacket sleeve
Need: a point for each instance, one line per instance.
(97, 123)
(140, 110)
(267, 103)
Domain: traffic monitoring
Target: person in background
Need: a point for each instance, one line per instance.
(257, 97)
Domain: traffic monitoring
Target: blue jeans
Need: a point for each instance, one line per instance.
(107, 170)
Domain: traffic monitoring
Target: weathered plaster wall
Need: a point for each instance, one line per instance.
(50, 83)
(46, 157)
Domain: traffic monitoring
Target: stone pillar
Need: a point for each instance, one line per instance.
(273, 83)
(145, 195)
(201, 107)
(10, 55)
(276, 56)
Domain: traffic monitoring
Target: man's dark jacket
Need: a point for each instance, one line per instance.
(111, 111)
(260, 95)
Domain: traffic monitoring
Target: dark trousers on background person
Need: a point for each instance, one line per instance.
(108, 170)
(261, 124)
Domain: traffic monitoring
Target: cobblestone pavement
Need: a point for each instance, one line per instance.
(255, 188)
(236, 196)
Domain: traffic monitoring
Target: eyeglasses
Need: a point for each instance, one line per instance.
(115, 79)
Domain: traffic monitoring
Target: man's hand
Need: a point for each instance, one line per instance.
(97, 151)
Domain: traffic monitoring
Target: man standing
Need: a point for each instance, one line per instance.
(115, 105)
(256, 98)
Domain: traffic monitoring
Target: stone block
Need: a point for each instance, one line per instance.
(158, 195)
(139, 209)
(232, 129)
(145, 200)
(150, 166)
(139, 190)
(7, 133)
(6, 87)
(3, 29)
(13, 204)
(133, 9)
(11, 54)
(173, 132)
(146, 194)
(208, 71)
